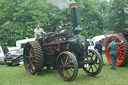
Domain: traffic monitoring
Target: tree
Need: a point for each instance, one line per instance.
(18, 18)
(103, 7)
(90, 19)
(118, 17)
(22, 17)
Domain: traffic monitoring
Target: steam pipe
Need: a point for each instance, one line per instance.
(75, 20)
(74, 15)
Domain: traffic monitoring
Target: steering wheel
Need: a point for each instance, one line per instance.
(56, 29)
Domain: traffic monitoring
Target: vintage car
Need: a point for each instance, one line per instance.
(13, 57)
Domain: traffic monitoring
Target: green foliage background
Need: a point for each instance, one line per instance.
(18, 18)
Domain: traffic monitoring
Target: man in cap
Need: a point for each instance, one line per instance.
(113, 51)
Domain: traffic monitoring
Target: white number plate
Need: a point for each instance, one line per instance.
(86, 65)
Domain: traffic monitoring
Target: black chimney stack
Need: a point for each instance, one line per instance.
(76, 28)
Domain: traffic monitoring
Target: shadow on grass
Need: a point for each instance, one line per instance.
(84, 77)
(48, 71)
(14, 65)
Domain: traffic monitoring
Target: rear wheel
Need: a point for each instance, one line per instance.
(122, 51)
(33, 57)
(67, 66)
(93, 64)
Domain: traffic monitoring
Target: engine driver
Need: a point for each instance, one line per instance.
(38, 33)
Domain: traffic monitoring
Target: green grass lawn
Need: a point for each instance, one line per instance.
(15, 75)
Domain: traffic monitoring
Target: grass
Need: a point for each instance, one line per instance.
(15, 75)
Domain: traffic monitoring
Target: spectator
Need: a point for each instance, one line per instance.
(98, 47)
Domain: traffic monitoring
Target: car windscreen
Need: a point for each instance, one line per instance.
(91, 43)
(12, 52)
(5, 49)
(19, 52)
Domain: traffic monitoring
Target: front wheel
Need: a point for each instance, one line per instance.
(67, 66)
(94, 63)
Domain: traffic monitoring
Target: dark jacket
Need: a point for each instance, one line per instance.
(99, 47)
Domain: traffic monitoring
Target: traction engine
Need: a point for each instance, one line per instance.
(64, 51)
(122, 50)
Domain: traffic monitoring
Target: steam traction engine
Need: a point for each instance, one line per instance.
(122, 50)
(63, 51)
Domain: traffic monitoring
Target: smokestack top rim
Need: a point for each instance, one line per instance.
(73, 5)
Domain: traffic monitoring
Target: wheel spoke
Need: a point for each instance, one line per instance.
(33, 61)
(32, 51)
(62, 69)
(66, 60)
(33, 56)
(29, 63)
(65, 57)
(26, 56)
(71, 69)
(95, 67)
(71, 66)
(33, 66)
(117, 61)
(121, 49)
(68, 74)
(121, 46)
(95, 59)
(89, 68)
(62, 62)
(121, 56)
(87, 58)
(92, 69)
(28, 49)
(120, 52)
(93, 54)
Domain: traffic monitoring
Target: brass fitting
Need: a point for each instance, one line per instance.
(73, 5)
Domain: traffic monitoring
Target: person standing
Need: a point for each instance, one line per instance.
(38, 32)
(98, 47)
(113, 51)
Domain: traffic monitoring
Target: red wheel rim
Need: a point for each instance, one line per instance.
(120, 51)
